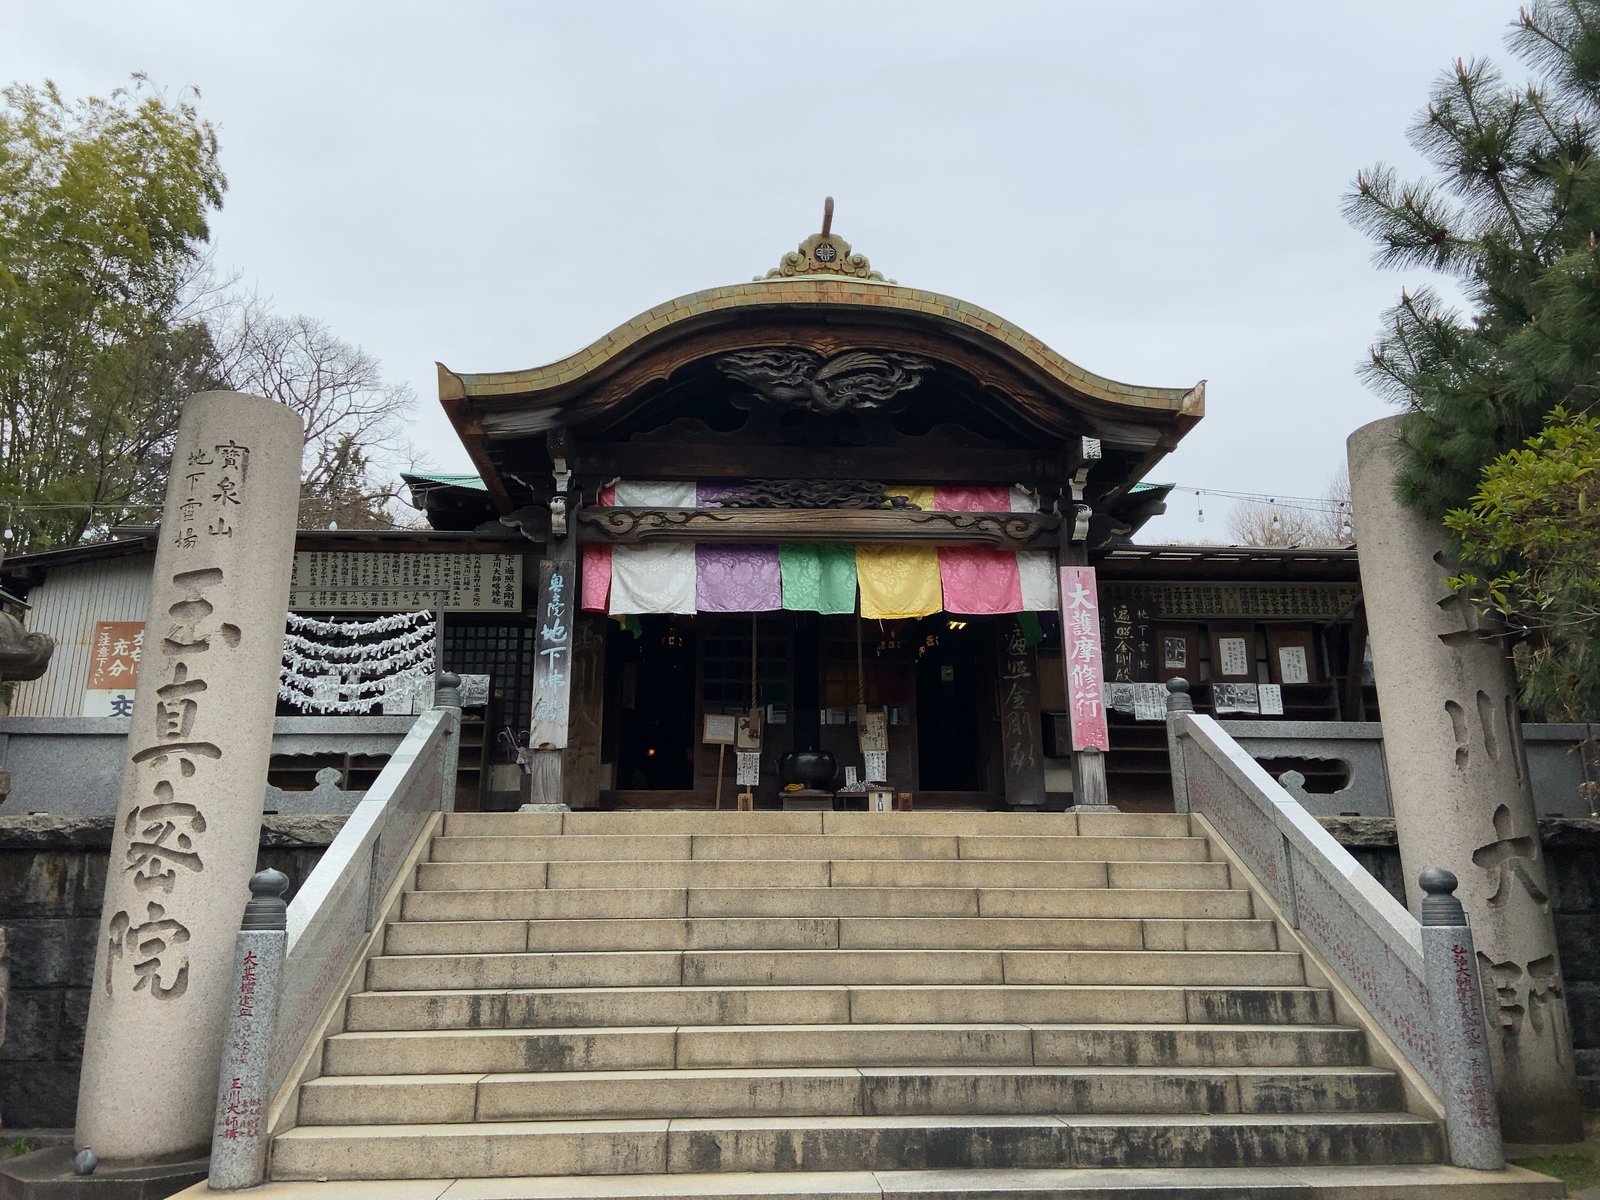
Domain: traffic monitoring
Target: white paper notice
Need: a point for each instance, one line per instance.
(1150, 702)
(1292, 663)
(851, 779)
(749, 768)
(1235, 656)
(398, 691)
(1271, 700)
(877, 764)
(873, 731)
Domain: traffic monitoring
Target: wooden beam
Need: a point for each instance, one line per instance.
(624, 526)
(895, 464)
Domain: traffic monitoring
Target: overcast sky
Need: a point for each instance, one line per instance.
(1151, 188)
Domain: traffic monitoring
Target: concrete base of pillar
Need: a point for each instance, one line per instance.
(48, 1175)
(544, 807)
(1091, 808)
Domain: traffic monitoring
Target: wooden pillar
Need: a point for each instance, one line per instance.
(557, 617)
(582, 774)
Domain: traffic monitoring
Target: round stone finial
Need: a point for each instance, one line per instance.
(1439, 905)
(1178, 695)
(267, 909)
(447, 690)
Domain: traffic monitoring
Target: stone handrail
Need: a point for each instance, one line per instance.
(1416, 980)
(327, 927)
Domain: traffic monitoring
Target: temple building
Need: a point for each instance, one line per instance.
(815, 512)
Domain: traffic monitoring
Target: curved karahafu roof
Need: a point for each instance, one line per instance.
(822, 302)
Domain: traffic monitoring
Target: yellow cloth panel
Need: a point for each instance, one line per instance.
(900, 581)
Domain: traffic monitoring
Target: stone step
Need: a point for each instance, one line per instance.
(1405, 1182)
(644, 903)
(711, 968)
(624, 1048)
(615, 1095)
(785, 874)
(1106, 967)
(869, 1143)
(826, 933)
(558, 1008)
(817, 847)
(731, 821)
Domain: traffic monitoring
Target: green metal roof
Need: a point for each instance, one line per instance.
(473, 483)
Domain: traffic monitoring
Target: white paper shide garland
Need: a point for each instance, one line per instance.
(348, 667)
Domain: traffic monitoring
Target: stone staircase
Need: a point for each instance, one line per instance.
(852, 1005)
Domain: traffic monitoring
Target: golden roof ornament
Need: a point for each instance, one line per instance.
(824, 253)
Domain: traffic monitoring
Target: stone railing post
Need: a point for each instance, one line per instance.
(1472, 1117)
(447, 694)
(239, 1138)
(1179, 706)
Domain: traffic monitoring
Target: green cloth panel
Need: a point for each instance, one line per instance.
(1032, 634)
(818, 578)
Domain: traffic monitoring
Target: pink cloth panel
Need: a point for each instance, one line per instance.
(976, 579)
(596, 578)
(597, 564)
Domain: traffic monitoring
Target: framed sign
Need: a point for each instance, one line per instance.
(719, 729)
(1177, 652)
(1233, 653)
(1292, 655)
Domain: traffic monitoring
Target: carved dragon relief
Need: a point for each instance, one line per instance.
(813, 493)
(850, 382)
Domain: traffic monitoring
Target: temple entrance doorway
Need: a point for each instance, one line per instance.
(654, 676)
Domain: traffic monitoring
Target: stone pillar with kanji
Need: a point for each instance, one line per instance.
(1458, 776)
(188, 820)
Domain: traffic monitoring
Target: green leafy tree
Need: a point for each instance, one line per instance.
(1532, 533)
(1509, 214)
(1497, 442)
(103, 225)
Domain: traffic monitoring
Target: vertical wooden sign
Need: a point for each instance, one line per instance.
(1080, 659)
(552, 667)
(1021, 742)
(582, 776)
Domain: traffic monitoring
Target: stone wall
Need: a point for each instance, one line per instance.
(52, 878)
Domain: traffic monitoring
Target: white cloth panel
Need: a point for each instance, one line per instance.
(1041, 588)
(1023, 501)
(655, 495)
(653, 578)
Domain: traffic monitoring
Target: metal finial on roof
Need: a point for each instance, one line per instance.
(824, 253)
